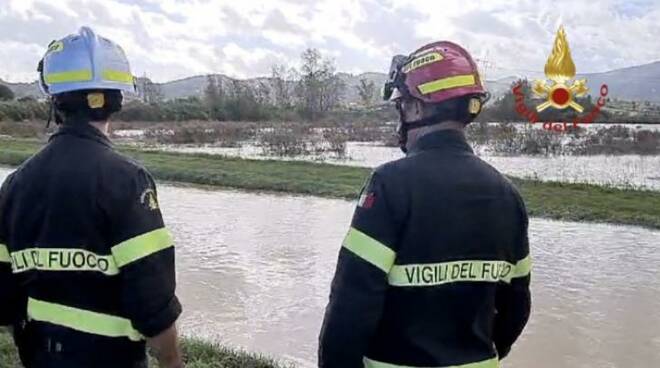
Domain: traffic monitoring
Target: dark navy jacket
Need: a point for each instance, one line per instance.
(86, 263)
(435, 269)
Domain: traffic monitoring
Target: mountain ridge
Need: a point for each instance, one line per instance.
(634, 83)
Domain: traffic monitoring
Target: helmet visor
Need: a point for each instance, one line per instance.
(396, 79)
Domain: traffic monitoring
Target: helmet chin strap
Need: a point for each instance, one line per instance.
(404, 128)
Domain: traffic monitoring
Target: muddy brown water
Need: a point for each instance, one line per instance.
(254, 272)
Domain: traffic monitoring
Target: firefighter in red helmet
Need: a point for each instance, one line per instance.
(435, 268)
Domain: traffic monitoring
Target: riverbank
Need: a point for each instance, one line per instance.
(573, 202)
(197, 353)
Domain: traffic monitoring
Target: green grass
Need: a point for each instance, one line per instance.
(575, 202)
(197, 354)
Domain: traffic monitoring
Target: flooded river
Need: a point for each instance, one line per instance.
(254, 271)
(620, 171)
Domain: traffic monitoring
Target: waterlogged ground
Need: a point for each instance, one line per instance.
(621, 171)
(254, 271)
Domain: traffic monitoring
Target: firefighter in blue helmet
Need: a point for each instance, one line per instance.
(87, 274)
(435, 269)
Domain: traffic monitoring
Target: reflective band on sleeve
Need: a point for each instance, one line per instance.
(433, 274)
(523, 267)
(56, 259)
(490, 363)
(369, 249)
(141, 246)
(117, 76)
(4, 254)
(68, 77)
(82, 320)
(447, 83)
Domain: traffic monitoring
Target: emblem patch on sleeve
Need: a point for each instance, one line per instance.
(149, 200)
(367, 200)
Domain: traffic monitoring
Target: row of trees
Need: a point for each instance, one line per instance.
(311, 92)
(306, 93)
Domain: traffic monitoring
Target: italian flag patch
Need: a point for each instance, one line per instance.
(367, 200)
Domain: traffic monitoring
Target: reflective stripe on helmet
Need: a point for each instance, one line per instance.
(68, 77)
(58, 259)
(141, 246)
(117, 76)
(4, 254)
(369, 249)
(490, 363)
(433, 274)
(448, 83)
(82, 320)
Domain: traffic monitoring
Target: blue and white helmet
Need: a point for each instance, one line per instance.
(85, 61)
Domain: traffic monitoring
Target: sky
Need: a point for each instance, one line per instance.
(173, 39)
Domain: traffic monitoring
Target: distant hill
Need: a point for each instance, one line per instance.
(638, 83)
(23, 89)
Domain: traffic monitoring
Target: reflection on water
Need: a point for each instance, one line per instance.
(621, 171)
(254, 271)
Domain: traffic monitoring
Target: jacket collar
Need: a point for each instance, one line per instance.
(446, 140)
(83, 130)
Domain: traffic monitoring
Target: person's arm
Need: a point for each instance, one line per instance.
(144, 252)
(360, 283)
(7, 287)
(513, 301)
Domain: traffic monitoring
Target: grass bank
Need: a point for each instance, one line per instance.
(198, 354)
(576, 202)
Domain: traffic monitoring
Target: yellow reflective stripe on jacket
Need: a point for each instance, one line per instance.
(117, 76)
(4, 254)
(447, 83)
(523, 267)
(433, 274)
(490, 363)
(141, 246)
(369, 249)
(82, 320)
(62, 259)
(68, 77)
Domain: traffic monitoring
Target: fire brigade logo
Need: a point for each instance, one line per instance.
(560, 70)
(560, 90)
(149, 200)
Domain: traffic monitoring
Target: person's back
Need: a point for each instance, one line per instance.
(64, 208)
(435, 269)
(88, 277)
(465, 230)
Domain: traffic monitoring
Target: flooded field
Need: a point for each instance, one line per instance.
(620, 171)
(254, 271)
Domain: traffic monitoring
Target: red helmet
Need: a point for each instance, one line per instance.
(434, 73)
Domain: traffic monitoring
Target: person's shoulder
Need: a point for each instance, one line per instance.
(393, 168)
(123, 171)
(124, 164)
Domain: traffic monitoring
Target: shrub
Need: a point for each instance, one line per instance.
(288, 140)
(224, 134)
(6, 94)
(22, 129)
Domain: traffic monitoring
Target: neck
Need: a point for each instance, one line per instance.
(415, 134)
(101, 126)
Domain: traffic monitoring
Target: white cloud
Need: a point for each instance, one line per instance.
(171, 39)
